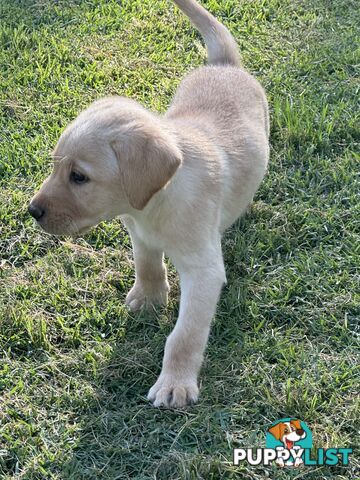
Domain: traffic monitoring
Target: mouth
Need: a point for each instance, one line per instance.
(81, 231)
(59, 232)
(289, 444)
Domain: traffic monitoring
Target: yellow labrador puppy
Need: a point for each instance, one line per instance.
(177, 181)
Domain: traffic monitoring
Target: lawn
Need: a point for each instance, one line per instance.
(75, 364)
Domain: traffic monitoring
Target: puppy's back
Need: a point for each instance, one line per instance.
(222, 95)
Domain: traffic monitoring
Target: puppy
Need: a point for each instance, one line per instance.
(288, 433)
(177, 181)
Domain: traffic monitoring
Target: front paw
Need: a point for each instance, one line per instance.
(144, 295)
(171, 391)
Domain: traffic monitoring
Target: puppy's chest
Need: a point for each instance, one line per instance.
(151, 235)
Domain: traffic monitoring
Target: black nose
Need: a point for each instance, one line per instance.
(300, 431)
(35, 211)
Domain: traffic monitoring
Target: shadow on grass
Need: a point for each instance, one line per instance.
(123, 436)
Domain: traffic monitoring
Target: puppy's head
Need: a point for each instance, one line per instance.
(113, 158)
(288, 432)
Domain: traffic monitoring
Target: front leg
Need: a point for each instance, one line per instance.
(151, 286)
(184, 349)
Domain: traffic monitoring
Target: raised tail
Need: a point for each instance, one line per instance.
(221, 46)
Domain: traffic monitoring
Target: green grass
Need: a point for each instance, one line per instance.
(75, 364)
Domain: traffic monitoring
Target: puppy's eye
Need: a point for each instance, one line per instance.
(78, 178)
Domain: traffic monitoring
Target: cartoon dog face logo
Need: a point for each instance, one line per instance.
(288, 432)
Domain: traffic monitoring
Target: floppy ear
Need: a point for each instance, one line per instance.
(276, 431)
(148, 158)
(296, 423)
